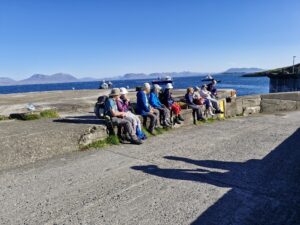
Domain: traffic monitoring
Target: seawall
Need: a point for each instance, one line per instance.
(265, 103)
(25, 142)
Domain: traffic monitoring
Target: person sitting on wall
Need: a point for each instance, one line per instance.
(169, 102)
(211, 87)
(144, 109)
(204, 93)
(156, 104)
(190, 102)
(198, 100)
(123, 104)
(119, 118)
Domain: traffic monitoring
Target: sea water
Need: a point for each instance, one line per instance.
(243, 85)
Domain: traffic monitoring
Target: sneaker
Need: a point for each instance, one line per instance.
(180, 118)
(210, 113)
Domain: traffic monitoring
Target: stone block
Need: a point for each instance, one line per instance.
(251, 110)
(92, 134)
(231, 109)
(239, 106)
(292, 96)
(298, 105)
(251, 101)
(275, 105)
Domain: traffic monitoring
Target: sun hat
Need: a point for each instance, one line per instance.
(123, 91)
(114, 92)
(203, 86)
(157, 87)
(196, 88)
(146, 86)
(169, 86)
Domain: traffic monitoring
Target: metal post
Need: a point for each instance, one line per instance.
(294, 64)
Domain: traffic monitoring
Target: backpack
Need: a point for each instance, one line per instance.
(99, 108)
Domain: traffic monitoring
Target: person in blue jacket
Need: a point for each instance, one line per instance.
(144, 109)
(156, 104)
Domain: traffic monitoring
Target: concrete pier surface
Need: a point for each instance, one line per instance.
(242, 171)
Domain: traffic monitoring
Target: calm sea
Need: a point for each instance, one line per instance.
(243, 85)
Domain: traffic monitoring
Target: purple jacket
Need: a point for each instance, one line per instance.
(122, 105)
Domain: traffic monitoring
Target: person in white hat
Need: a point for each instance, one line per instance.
(119, 118)
(123, 104)
(169, 102)
(155, 103)
(201, 101)
(144, 109)
(207, 95)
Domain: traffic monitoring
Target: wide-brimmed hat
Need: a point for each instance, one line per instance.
(123, 91)
(146, 86)
(114, 92)
(196, 88)
(157, 87)
(169, 86)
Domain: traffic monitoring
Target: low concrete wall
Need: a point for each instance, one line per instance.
(243, 106)
(265, 103)
(275, 102)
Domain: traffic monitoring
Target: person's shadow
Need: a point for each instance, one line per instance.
(263, 192)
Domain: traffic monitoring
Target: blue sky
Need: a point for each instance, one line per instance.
(103, 38)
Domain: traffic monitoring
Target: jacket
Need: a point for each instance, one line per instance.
(154, 101)
(189, 99)
(167, 98)
(142, 103)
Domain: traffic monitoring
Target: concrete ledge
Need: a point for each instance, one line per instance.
(24, 142)
(275, 105)
(292, 96)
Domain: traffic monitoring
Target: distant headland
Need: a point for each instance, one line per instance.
(68, 78)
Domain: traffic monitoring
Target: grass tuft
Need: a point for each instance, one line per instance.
(210, 120)
(145, 131)
(113, 140)
(49, 113)
(157, 131)
(3, 117)
(110, 140)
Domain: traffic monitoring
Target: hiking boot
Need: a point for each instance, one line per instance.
(166, 124)
(180, 118)
(151, 131)
(219, 111)
(176, 120)
(136, 142)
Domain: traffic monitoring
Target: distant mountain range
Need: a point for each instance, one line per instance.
(67, 78)
(243, 70)
(45, 79)
(135, 76)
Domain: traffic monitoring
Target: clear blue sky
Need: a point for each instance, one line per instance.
(112, 37)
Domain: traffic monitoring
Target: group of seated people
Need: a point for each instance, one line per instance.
(157, 105)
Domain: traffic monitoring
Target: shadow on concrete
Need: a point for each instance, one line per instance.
(81, 120)
(263, 192)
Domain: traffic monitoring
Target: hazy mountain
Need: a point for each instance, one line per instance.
(134, 76)
(45, 79)
(6, 81)
(243, 70)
